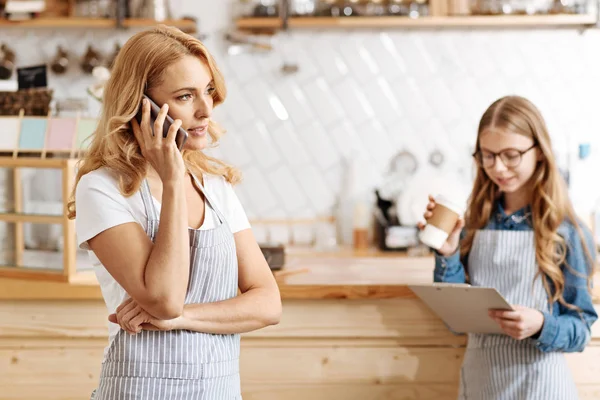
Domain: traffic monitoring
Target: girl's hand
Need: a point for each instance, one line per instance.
(132, 319)
(451, 244)
(161, 153)
(520, 324)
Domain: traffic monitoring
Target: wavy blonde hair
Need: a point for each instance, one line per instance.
(550, 204)
(138, 68)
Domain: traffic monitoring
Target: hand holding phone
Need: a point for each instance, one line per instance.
(159, 151)
(181, 135)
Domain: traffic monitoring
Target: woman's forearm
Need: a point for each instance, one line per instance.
(167, 270)
(247, 312)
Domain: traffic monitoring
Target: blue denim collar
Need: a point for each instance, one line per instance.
(518, 217)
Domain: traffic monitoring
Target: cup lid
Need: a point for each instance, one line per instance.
(452, 204)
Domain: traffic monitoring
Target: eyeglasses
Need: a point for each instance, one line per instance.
(511, 158)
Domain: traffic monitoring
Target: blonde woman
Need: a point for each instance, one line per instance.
(522, 237)
(171, 241)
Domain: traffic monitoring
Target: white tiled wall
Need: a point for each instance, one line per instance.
(370, 94)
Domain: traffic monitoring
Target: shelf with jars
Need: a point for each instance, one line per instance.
(264, 15)
(95, 23)
(90, 14)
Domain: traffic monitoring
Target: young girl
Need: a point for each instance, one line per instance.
(170, 241)
(522, 237)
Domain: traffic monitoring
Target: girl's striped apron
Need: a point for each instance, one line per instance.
(181, 364)
(498, 367)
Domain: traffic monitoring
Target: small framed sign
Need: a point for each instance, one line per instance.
(32, 77)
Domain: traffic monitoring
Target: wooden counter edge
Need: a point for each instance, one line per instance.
(15, 289)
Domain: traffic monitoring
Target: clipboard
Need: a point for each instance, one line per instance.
(462, 307)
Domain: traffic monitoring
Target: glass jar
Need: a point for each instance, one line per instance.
(398, 8)
(418, 8)
(488, 7)
(376, 8)
(328, 8)
(266, 8)
(353, 8)
(302, 8)
(257, 8)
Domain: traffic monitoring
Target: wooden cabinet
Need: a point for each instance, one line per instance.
(327, 349)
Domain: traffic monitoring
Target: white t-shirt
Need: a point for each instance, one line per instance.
(101, 206)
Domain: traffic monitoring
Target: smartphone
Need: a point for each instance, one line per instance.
(181, 135)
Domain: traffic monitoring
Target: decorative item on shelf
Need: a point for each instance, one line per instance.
(353, 8)
(459, 7)
(158, 10)
(265, 8)
(7, 62)
(86, 9)
(420, 8)
(398, 7)
(302, 8)
(31, 101)
(33, 77)
(60, 63)
(328, 8)
(91, 59)
(95, 9)
(571, 6)
(107, 8)
(18, 10)
(514, 7)
(243, 8)
(376, 8)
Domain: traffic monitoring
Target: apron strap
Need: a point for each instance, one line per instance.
(149, 205)
(209, 200)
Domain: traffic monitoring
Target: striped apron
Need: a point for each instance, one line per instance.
(498, 367)
(181, 364)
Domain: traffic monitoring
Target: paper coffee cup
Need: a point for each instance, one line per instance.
(445, 215)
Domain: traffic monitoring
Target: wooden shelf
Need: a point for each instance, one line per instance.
(423, 22)
(20, 272)
(31, 218)
(94, 23)
(36, 162)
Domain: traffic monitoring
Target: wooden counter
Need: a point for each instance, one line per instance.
(350, 330)
(307, 275)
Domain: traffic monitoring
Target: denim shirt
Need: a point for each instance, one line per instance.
(564, 329)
